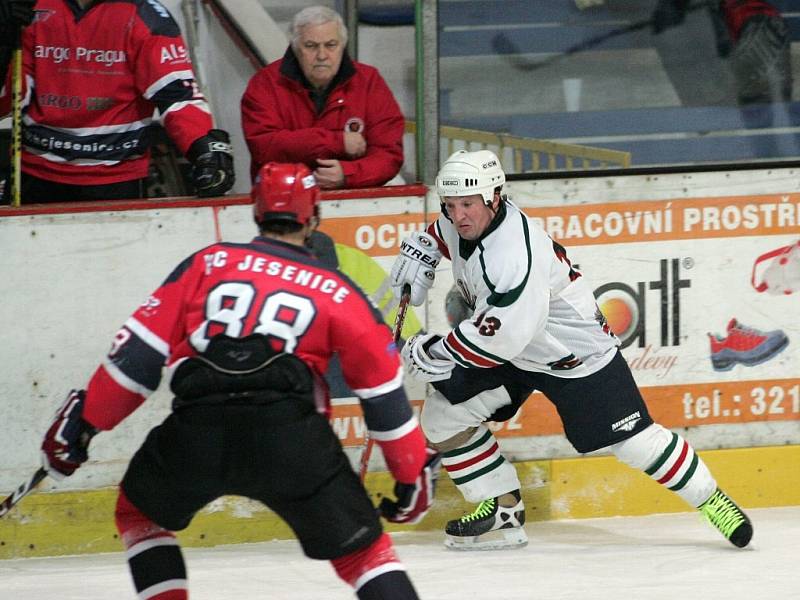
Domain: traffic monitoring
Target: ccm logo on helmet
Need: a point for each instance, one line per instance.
(491, 163)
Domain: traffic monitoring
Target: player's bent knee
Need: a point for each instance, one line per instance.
(644, 448)
(454, 442)
(134, 527)
(358, 567)
(439, 419)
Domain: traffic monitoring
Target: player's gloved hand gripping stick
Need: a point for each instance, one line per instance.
(413, 500)
(415, 266)
(64, 448)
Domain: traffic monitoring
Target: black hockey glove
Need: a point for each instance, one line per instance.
(212, 163)
(16, 13)
(66, 442)
(413, 499)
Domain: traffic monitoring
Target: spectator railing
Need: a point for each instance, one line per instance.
(524, 155)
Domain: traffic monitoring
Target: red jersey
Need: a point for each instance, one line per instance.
(95, 81)
(281, 122)
(278, 290)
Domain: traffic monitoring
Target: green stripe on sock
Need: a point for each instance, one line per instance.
(664, 456)
(479, 472)
(459, 451)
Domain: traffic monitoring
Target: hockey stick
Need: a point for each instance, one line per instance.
(504, 46)
(16, 121)
(399, 319)
(22, 491)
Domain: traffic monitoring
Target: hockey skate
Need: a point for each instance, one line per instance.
(722, 513)
(489, 527)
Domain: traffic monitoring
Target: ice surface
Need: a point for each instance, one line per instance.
(658, 557)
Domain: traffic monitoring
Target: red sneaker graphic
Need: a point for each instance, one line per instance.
(745, 345)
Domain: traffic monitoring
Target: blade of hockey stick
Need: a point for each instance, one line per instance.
(399, 319)
(22, 491)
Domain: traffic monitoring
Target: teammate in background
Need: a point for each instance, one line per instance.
(536, 326)
(248, 328)
(318, 106)
(94, 75)
(753, 35)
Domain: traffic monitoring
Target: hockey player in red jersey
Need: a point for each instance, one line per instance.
(756, 39)
(248, 328)
(98, 76)
(533, 324)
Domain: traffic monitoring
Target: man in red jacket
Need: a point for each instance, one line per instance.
(318, 106)
(97, 78)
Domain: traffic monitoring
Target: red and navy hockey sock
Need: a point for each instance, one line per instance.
(153, 553)
(376, 573)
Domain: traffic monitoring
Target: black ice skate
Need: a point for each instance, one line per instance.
(489, 527)
(728, 518)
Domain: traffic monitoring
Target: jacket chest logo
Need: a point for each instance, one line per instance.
(354, 124)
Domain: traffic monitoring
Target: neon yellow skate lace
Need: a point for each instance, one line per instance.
(484, 509)
(722, 513)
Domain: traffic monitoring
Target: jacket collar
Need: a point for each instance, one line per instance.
(76, 9)
(290, 67)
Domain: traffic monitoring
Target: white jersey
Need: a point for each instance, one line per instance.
(531, 308)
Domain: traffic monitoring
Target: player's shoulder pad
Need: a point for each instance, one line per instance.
(507, 258)
(157, 18)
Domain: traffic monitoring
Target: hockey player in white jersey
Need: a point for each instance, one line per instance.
(534, 325)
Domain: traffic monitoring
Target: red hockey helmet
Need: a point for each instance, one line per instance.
(285, 192)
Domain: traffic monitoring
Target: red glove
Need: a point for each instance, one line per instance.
(413, 499)
(67, 440)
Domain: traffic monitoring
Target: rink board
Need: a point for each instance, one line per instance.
(82, 522)
(672, 254)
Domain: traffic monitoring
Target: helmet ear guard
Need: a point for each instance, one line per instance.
(468, 173)
(285, 192)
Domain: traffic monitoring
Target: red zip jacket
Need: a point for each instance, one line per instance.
(93, 80)
(279, 290)
(281, 124)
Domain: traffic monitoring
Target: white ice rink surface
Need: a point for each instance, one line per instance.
(661, 557)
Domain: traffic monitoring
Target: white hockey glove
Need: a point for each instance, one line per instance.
(416, 266)
(419, 364)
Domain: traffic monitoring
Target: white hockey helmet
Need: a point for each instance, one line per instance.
(466, 173)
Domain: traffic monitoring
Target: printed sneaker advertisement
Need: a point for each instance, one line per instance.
(700, 293)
